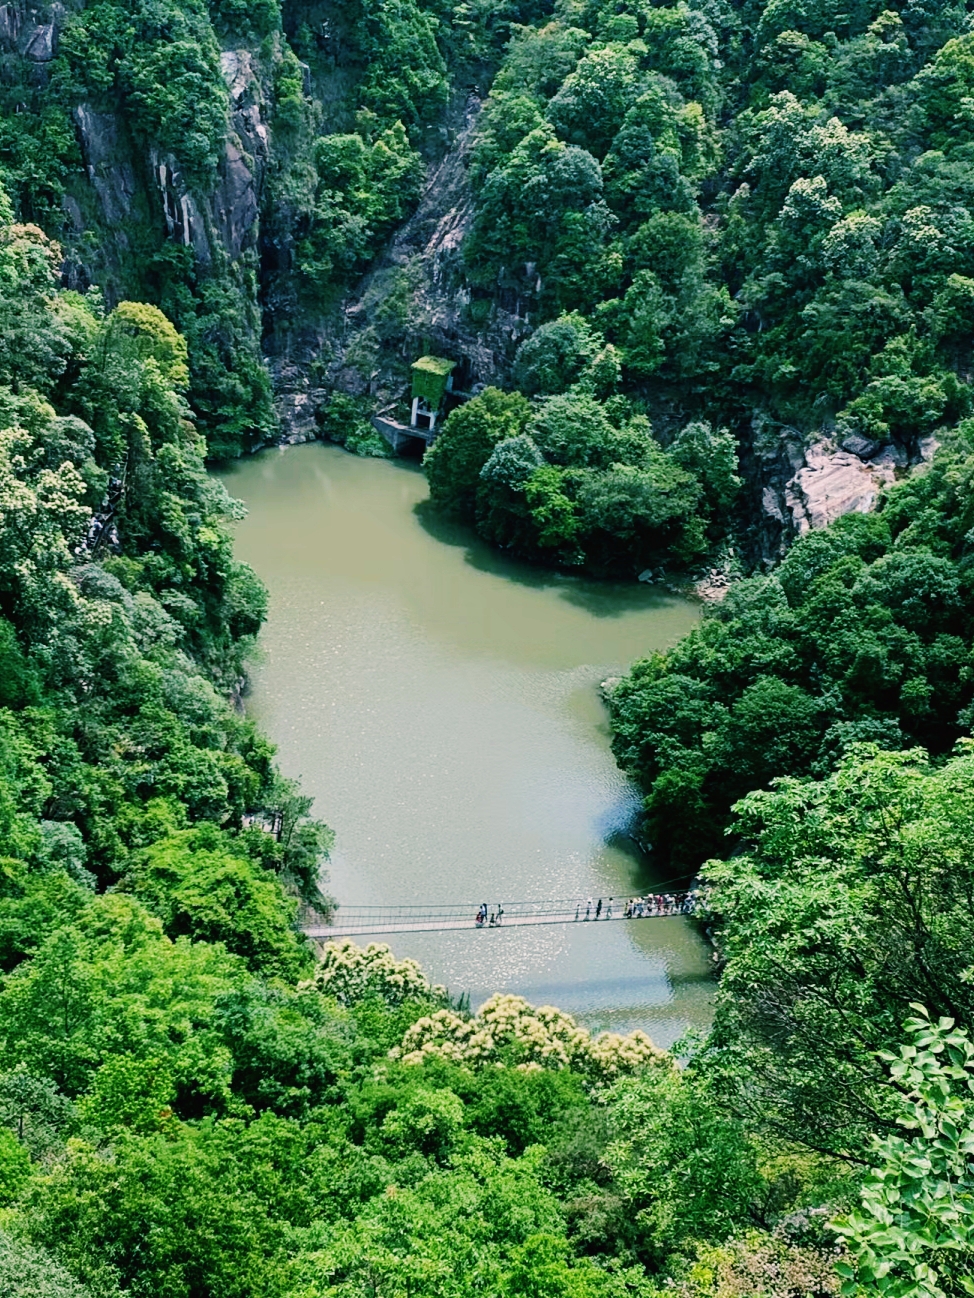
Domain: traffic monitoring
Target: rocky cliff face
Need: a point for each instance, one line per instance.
(123, 187)
(130, 200)
(805, 483)
(414, 298)
(128, 187)
(142, 216)
(31, 31)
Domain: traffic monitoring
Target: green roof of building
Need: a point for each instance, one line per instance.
(434, 365)
(430, 377)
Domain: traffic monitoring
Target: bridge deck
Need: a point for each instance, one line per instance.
(377, 921)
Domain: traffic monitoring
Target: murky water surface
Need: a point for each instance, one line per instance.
(440, 704)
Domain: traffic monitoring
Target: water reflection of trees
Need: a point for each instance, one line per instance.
(600, 598)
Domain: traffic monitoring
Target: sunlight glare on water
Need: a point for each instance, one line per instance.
(440, 702)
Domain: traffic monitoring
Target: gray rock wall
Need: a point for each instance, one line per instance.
(31, 30)
(806, 483)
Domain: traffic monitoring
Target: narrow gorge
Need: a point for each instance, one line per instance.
(512, 458)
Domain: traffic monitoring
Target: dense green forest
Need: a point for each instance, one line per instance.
(863, 634)
(698, 224)
(192, 1106)
(722, 217)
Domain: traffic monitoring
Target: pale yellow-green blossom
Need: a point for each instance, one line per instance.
(349, 972)
(508, 1029)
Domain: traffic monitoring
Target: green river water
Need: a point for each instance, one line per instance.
(440, 702)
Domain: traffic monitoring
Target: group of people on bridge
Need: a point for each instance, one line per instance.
(660, 903)
(654, 904)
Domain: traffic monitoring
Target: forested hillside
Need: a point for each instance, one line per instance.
(757, 217)
(192, 1107)
(863, 634)
(656, 222)
(682, 255)
(238, 165)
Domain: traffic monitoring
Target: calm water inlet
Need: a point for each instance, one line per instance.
(440, 702)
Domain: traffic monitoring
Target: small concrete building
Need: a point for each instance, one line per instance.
(432, 379)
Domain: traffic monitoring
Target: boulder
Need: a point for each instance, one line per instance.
(771, 504)
(859, 445)
(296, 411)
(833, 483)
(41, 43)
(889, 459)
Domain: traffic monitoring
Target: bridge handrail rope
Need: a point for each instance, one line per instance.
(417, 917)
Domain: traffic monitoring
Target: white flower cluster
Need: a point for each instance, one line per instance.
(349, 973)
(507, 1027)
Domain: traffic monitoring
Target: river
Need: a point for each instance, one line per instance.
(440, 702)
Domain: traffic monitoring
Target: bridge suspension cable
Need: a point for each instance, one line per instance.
(374, 921)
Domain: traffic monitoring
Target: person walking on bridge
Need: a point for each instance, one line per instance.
(598, 909)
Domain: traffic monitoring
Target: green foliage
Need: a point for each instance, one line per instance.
(346, 421)
(582, 481)
(526, 202)
(27, 1272)
(250, 19)
(685, 1168)
(848, 896)
(913, 1234)
(182, 1212)
(18, 684)
(455, 460)
(406, 73)
(34, 342)
(38, 153)
(200, 890)
(125, 610)
(733, 223)
(230, 388)
(365, 186)
(179, 1114)
(430, 375)
(557, 356)
(704, 213)
(144, 84)
(863, 633)
(162, 63)
(712, 457)
(592, 102)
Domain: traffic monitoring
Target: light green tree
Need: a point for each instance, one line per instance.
(913, 1235)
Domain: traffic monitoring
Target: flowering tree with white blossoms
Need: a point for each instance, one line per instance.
(349, 973)
(506, 1029)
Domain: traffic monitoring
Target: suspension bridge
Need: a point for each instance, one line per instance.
(375, 921)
